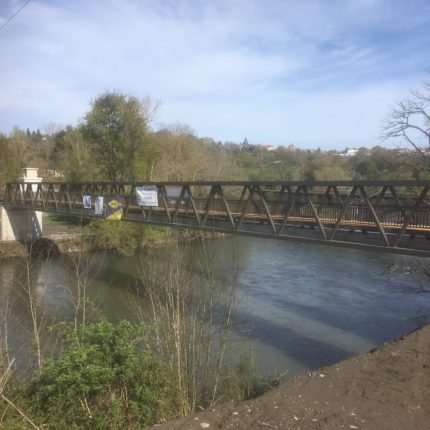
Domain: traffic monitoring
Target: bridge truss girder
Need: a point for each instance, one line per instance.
(392, 216)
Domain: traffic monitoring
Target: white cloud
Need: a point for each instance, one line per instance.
(273, 71)
(328, 119)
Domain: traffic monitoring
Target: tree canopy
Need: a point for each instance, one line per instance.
(116, 129)
(115, 142)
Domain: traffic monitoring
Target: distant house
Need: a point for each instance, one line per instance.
(350, 152)
(268, 147)
(406, 150)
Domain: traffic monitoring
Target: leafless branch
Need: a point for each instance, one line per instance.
(409, 120)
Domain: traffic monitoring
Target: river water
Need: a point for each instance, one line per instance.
(299, 306)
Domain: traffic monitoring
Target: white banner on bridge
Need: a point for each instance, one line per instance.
(87, 201)
(147, 195)
(174, 191)
(98, 205)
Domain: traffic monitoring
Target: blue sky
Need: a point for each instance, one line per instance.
(309, 73)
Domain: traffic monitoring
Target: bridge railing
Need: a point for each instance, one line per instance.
(395, 210)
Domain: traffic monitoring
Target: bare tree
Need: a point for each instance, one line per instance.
(38, 321)
(7, 364)
(192, 314)
(82, 267)
(409, 121)
(51, 128)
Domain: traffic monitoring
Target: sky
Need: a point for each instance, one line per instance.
(312, 73)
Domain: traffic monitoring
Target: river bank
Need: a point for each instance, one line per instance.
(71, 239)
(385, 389)
(63, 244)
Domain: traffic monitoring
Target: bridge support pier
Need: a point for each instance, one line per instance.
(19, 224)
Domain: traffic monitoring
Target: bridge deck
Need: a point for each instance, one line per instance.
(395, 215)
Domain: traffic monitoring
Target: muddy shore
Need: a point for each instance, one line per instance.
(386, 389)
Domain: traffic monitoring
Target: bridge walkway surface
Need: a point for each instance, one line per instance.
(390, 216)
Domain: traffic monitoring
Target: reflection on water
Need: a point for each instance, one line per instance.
(299, 307)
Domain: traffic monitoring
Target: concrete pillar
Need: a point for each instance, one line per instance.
(22, 224)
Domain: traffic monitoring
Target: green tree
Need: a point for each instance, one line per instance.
(182, 156)
(367, 169)
(20, 143)
(73, 155)
(10, 164)
(116, 129)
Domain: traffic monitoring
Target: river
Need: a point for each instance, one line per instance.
(299, 307)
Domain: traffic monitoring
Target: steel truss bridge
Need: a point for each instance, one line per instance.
(391, 216)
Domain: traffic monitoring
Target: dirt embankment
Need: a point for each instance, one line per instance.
(385, 389)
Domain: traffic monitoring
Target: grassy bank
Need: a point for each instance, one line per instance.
(71, 234)
(12, 249)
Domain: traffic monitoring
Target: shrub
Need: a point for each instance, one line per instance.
(125, 238)
(119, 236)
(243, 382)
(103, 379)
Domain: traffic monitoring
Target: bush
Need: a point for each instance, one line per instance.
(103, 379)
(119, 236)
(243, 382)
(125, 238)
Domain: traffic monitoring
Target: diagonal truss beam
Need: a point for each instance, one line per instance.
(343, 211)
(314, 211)
(373, 212)
(409, 217)
(266, 208)
(290, 210)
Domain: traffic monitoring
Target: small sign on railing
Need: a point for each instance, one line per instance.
(113, 208)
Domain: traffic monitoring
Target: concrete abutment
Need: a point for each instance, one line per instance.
(19, 224)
